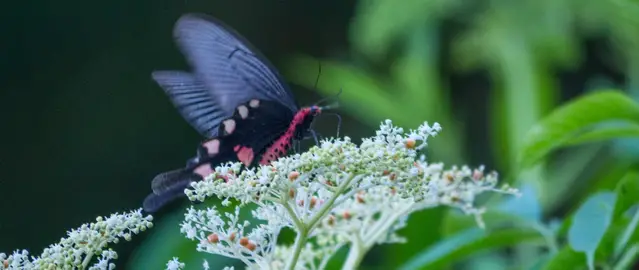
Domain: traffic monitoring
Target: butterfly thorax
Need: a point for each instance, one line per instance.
(298, 128)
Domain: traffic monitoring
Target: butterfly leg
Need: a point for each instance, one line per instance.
(297, 146)
(316, 136)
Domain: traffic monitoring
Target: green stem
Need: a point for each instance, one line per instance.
(298, 223)
(300, 242)
(86, 261)
(329, 204)
(355, 254)
(384, 224)
(87, 258)
(305, 229)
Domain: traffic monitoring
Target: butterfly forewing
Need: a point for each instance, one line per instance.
(233, 71)
(192, 99)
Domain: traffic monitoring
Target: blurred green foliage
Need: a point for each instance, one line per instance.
(561, 155)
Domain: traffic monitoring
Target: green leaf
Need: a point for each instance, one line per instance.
(605, 133)
(566, 259)
(627, 190)
(468, 242)
(526, 206)
(590, 224)
(564, 124)
(627, 202)
(540, 262)
(627, 234)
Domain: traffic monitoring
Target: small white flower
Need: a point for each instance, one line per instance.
(82, 243)
(174, 264)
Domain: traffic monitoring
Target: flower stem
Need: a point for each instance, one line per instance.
(305, 229)
(329, 204)
(355, 254)
(300, 242)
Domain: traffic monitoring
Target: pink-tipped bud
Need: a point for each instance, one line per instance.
(213, 238)
(293, 175)
(244, 241)
(410, 143)
(251, 246)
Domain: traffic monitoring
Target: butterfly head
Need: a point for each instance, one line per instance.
(315, 110)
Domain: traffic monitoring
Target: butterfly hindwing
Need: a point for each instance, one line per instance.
(166, 180)
(154, 201)
(251, 134)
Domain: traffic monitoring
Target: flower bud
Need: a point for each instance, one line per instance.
(410, 143)
(293, 175)
(251, 246)
(244, 241)
(213, 238)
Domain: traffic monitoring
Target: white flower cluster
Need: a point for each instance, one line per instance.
(77, 249)
(333, 195)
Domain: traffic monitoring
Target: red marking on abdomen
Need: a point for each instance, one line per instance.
(283, 143)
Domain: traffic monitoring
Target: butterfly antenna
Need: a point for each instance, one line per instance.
(319, 72)
(339, 123)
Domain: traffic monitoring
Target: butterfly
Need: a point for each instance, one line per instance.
(233, 97)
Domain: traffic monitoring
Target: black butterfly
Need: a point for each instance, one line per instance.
(234, 98)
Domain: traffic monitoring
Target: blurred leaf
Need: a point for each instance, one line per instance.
(566, 259)
(628, 192)
(628, 259)
(540, 263)
(627, 202)
(627, 234)
(378, 24)
(609, 177)
(467, 242)
(526, 206)
(424, 228)
(561, 125)
(361, 90)
(564, 177)
(590, 224)
(605, 133)
(416, 76)
(456, 222)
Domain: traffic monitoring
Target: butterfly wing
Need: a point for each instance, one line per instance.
(244, 137)
(227, 72)
(192, 99)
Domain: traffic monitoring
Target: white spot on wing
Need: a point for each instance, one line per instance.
(213, 146)
(254, 103)
(229, 126)
(243, 111)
